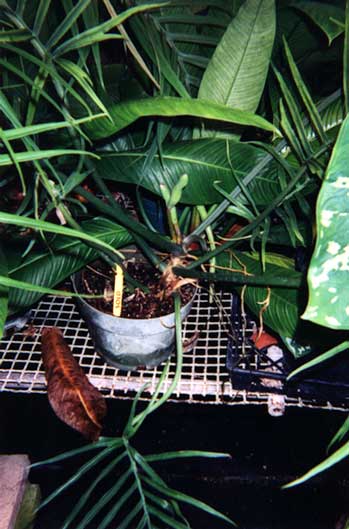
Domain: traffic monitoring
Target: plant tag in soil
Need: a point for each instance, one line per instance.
(118, 287)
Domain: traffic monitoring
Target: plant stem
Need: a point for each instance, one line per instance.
(126, 220)
(152, 406)
(258, 168)
(130, 452)
(210, 237)
(250, 227)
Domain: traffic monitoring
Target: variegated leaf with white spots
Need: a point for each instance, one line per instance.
(328, 275)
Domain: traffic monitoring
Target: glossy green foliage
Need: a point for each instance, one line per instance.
(124, 114)
(328, 17)
(333, 459)
(179, 38)
(150, 501)
(282, 309)
(51, 265)
(237, 71)
(328, 275)
(204, 161)
(319, 359)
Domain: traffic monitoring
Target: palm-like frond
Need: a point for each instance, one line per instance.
(179, 39)
(52, 52)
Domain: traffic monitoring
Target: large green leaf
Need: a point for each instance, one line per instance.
(124, 114)
(238, 69)
(3, 292)
(324, 16)
(49, 267)
(204, 161)
(328, 275)
(50, 227)
(179, 40)
(282, 313)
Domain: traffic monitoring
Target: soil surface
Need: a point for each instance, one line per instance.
(136, 303)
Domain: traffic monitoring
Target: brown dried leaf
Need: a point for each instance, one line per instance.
(73, 398)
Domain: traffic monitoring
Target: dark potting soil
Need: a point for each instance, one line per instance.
(136, 303)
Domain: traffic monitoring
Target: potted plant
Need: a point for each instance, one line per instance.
(64, 197)
(132, 328)
(245, 188)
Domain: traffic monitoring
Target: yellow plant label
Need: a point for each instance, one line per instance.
(118, 288)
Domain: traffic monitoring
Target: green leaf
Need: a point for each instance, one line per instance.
(122, 499)
(98, 32)
(282, 313)
(21, 132)
(91, 19)
(40, 16)
(290, 134)
(125, 524)
(14, 35)
(328, 274)
(115, 211)
(165, 456)
(101, 443)
(91, 463)
(155, 48)
(204, 161)
(342, 432)
(86, 495)
(14, 160)
(319, 359)
(9, 218)
(179, 496)
(293, 107)
(166, 519)
(331, 109)
(65, 256)
(238, 69)
(19, 73)
(67, 23)
(164, 36)
(333, 459)
(155, 478)
(83, 80)
(87, 38)
(324, 16)
(124, 114)
(22, 285)
(105, 498)
(314, 115)
(277, 279)
(73, 180)
(30, 156)
(3, 292)
(49, 69)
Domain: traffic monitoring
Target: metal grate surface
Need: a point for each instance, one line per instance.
(204, 376)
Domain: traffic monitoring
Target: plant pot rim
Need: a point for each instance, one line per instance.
(157, 319)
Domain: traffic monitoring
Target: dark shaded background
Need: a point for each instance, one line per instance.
(266, 453)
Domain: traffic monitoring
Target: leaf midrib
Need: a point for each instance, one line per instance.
(173, 158)
(244, 54)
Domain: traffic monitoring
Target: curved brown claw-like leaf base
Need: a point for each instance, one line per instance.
(73, 398)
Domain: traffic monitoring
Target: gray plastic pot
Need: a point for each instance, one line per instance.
(17, 322)
(129, 344)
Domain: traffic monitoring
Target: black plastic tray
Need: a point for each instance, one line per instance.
(251, 369)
